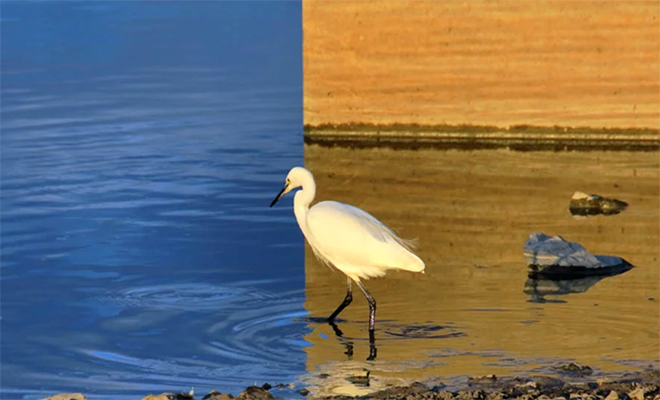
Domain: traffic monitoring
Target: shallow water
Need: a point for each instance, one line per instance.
(475, 311)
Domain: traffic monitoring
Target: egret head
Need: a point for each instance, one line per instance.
(297, 177)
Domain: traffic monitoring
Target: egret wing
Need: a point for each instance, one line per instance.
(348, 235)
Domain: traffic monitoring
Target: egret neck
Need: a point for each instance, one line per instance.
(301, 201)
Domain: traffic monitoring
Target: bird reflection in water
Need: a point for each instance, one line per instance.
(348, 344)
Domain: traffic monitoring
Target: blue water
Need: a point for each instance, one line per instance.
(142, 143)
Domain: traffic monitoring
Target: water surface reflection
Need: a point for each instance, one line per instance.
(140, 143)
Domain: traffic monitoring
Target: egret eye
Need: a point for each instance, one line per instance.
(288, 182)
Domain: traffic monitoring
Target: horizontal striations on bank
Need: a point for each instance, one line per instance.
(516, 137)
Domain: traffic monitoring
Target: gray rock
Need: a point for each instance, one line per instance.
(547, 255)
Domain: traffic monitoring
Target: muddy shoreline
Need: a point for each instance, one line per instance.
(478, 137)
(576, 384)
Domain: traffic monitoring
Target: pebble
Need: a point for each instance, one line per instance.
(637, 394)
(444, 395)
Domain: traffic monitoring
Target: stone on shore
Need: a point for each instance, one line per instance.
(254, 393)
(215, 395)
(169, 396)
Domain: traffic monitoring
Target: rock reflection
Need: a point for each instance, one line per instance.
(537, 287)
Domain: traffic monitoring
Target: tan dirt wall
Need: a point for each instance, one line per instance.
(575, 63)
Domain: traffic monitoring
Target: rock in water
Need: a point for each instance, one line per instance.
(574, 369)
(254, 393)
(555, 257)
(592, 204)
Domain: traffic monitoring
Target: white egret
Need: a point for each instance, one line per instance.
(348, 239)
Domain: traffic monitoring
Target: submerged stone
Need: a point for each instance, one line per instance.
(482, 379)
(574, 369)
(591, 204)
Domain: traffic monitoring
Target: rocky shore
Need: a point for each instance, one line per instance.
(644, 385)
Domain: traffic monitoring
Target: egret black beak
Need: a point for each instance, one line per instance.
(280, 194)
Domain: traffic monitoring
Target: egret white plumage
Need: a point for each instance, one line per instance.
(348, 239)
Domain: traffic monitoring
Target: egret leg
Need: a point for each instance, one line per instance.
(372, 347)
(347, 300)
(372, 307)
(372, 321)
